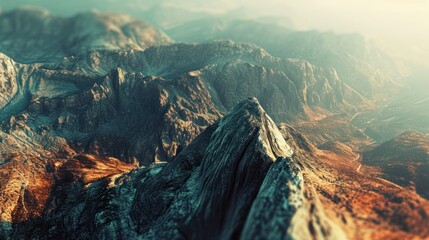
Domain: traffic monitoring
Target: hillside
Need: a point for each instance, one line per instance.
(403, 160)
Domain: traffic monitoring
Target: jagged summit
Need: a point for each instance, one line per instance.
(225, 185)
(271, 140)
(245, 171)
(104, 134)
(241, 151)
(141, 105)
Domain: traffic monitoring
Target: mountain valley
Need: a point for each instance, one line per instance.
(111, 128)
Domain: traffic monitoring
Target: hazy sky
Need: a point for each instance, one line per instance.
(403, 23)
(394, 20)
(404, 19)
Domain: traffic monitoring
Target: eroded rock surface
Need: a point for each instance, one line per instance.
(238, 179)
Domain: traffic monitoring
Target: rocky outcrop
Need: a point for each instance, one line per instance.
(238, 179)
(127, 143)
(142, 106)
(223, 65)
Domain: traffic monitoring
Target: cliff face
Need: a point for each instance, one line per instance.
(142, 105)
(112, 136)
(238, 179)
(241, 177)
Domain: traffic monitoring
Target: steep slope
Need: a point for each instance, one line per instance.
(240, 155)
(222, 64)
(34, 35)
(403, 160)
(73, 129)
(142, 105)
(229, 182)
(237, 179)
(104, 114)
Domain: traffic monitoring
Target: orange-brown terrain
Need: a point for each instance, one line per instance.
(111, 129)
(26, 191)
(365, 205)
(403, 160)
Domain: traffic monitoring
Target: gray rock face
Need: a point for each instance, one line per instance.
(221, 65)
(241, 151)
(238, 179)
(142, 105)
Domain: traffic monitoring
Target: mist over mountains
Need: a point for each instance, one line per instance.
(397, 25)
(186, 120)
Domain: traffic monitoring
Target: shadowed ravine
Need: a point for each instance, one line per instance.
(238, 179)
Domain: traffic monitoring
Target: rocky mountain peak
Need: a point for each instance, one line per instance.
(270, 139)
(229, 186)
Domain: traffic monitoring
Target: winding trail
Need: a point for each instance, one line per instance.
(358, 158)
(358, 169)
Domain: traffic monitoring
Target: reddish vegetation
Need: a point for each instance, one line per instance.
(89, 168)
(367, 206)
(363, 204)
(25, 191)
(403, 160)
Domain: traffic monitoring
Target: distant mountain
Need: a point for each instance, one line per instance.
(404, 160)
(152, 101)
(172, 18)
(358, 62)
(50, 37)
(124, 137)
(407, 111)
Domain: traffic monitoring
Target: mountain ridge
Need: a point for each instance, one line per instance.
(263, 152)
(51, 37)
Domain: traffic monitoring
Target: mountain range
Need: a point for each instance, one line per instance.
(369, 70)
(110, 128)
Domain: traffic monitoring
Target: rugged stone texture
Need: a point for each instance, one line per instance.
(225, 184)
(223, 65)
(72, 130)
(142, 106)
